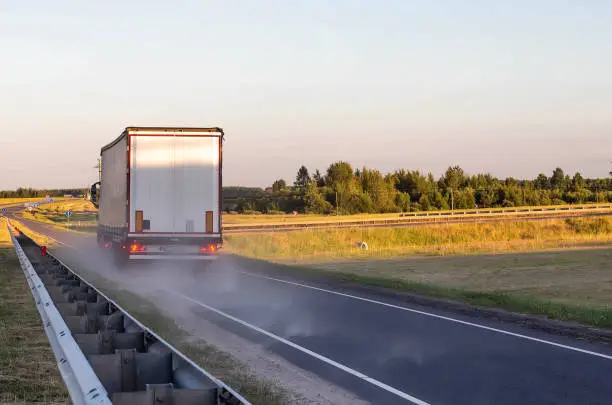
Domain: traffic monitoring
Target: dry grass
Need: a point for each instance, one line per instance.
(438, 240)
(28, 369)
(37, 237)
(7, 201)
(83, 218)
(73, 205)
(577, 277)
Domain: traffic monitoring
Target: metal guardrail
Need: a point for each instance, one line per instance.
(104, 354)
(424, 217)
(82, 383)
(484, 211)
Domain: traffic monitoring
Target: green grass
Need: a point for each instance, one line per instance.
(6, 201)
(28, 369)
(580, 277)
(437, 240)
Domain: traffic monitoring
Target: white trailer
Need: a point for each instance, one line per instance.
(159, 194)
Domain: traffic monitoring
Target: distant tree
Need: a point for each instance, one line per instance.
(279, 185)
(578, 182)
(464, 199)
(314, 201)
(302, 179)
(541, 182)
(318, 178)
(339, 176)
(510, 196)
(424, 202)
(511, 181)
(558, 179)
(350, 191)
(380, 189)
(272, 206)
(482, 181)
(438, 201)
(402, 201)
(413, 183)
(453, 178)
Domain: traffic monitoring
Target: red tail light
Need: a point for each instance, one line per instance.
(137, 247)
(209, 248)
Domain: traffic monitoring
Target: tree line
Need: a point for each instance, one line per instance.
(345, 190)
(23, 192)
(341, 189)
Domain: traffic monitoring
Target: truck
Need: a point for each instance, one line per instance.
(159, 194)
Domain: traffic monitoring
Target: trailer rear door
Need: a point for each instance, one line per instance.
(174, 184)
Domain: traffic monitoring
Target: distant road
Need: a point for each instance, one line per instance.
(383, 350)
(431, 217)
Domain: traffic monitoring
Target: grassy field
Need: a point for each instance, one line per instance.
(437, 240)
(7, 201)
(28, 370)
(83, 218)
(576, 277)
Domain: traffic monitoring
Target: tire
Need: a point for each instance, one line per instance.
(121, 257)
(100, 240)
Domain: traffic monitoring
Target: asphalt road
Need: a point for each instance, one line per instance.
(385, 351)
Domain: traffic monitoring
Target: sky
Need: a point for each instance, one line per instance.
(514, 88)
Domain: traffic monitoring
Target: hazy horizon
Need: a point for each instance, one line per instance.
(514, 89)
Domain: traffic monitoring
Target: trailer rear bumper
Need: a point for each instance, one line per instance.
(172, 257)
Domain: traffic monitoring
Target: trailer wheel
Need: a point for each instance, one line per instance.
(121, 256)
(100, 240)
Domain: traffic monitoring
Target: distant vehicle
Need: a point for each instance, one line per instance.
(159, 194)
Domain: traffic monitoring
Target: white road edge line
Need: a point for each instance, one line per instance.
(446, 318)
(49, 237)
(324, 359)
